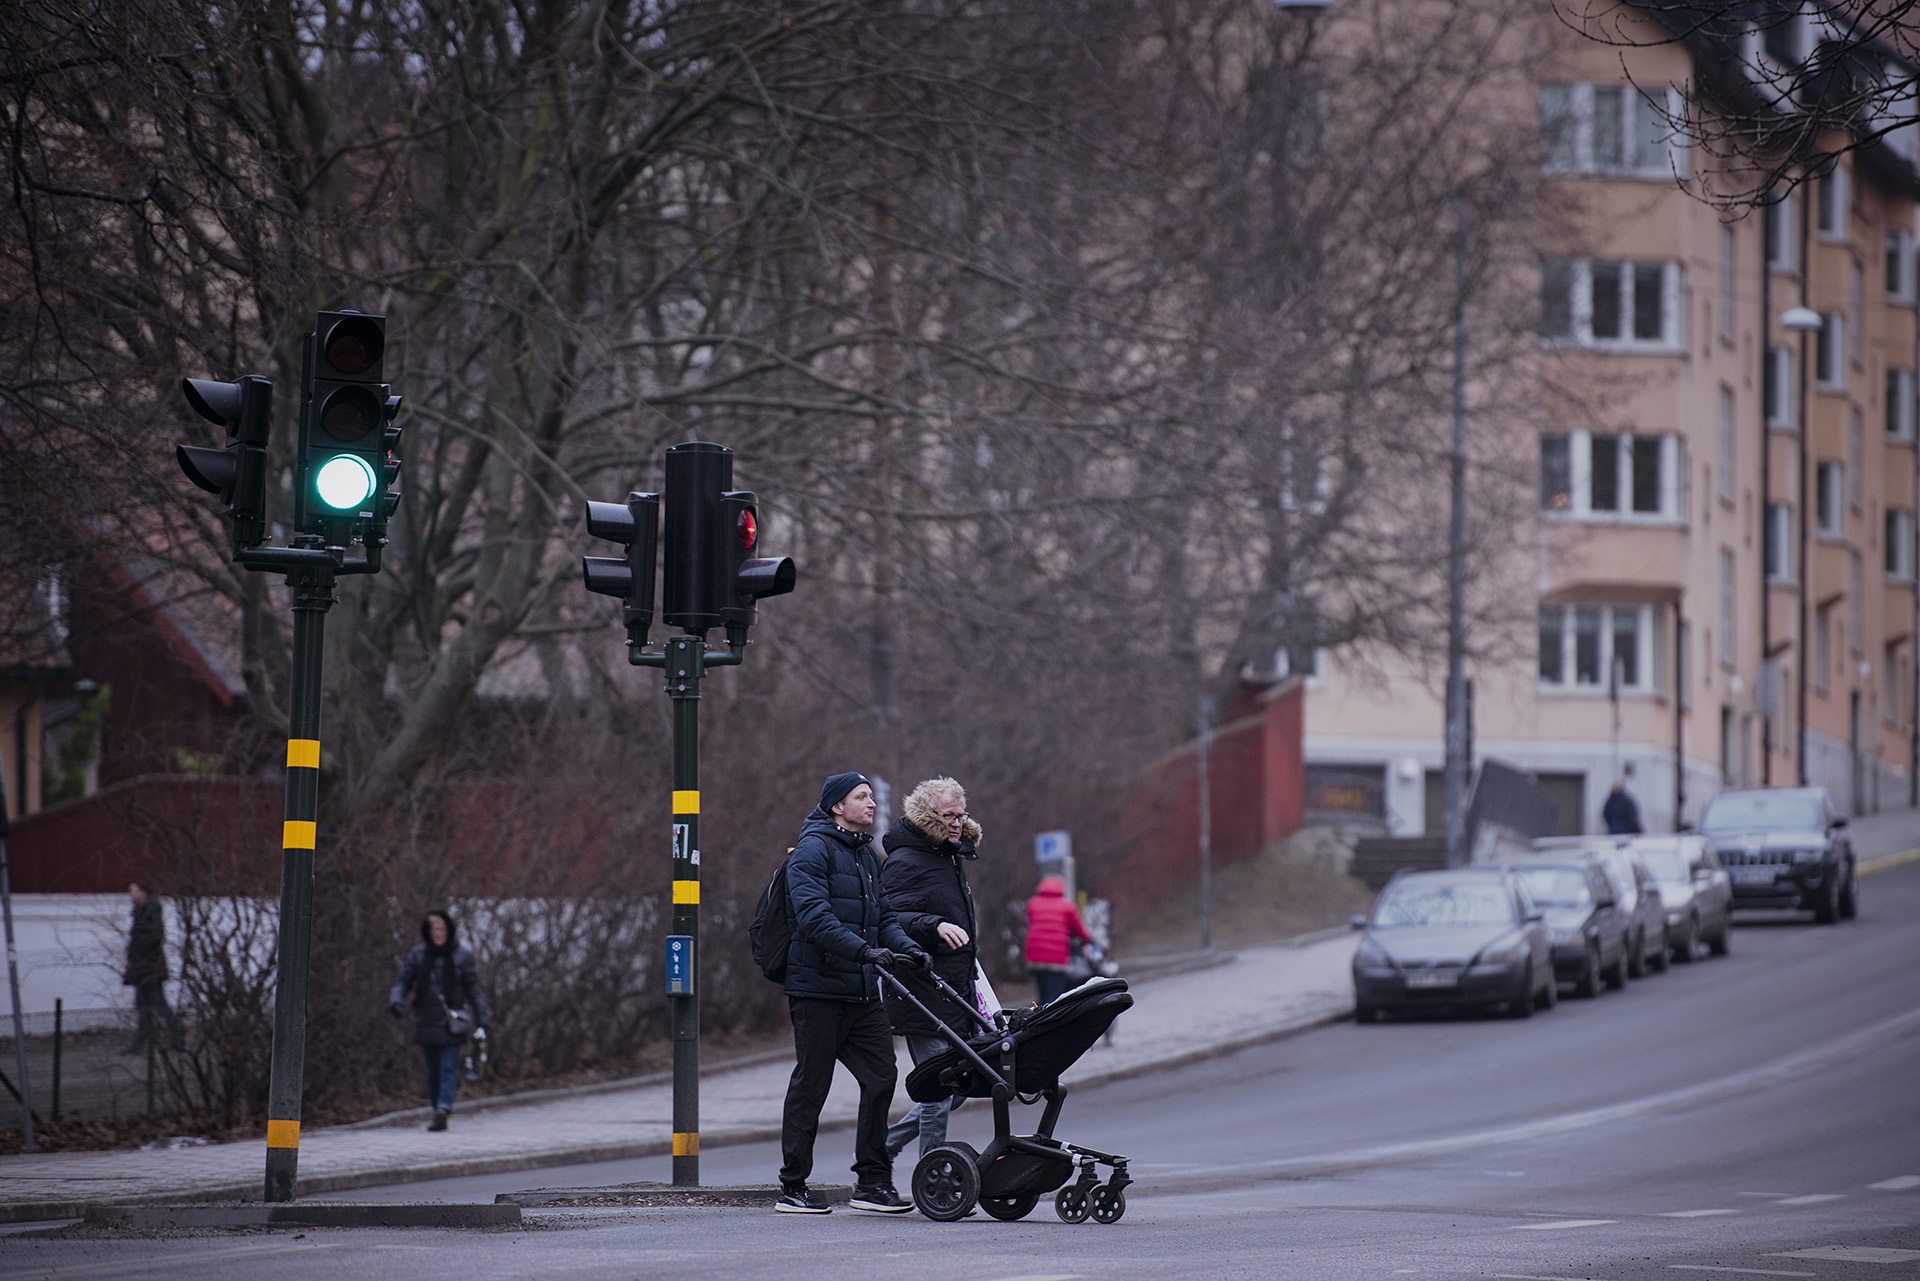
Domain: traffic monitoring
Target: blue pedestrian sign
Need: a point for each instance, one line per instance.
(679, 965)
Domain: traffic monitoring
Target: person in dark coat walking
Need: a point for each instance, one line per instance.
(439, 975)
(926, 883)
(1620, 813)
(146, 971)
(842, 928)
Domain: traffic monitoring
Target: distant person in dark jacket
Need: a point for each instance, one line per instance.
(925, 877)
(842, 928)
(1053, 922)
(1620, 813)
(439, 975)
(146, 971)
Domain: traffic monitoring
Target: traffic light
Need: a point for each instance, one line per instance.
(744, 578)
(238, 473)
(637, 524)
(697, 474)
(390, 468)
(341, 467)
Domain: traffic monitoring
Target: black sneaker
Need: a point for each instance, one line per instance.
(439, 1121)
(797, 1199)
(881, 1199)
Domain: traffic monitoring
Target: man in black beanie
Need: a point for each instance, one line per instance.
(842, 926)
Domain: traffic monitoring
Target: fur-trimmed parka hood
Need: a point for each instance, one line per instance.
(921, 815)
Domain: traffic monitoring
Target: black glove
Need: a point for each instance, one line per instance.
(879, 956)
(924, 960)
(398, 1009)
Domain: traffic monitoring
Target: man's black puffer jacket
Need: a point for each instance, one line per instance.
(839, 907)
(926, 885)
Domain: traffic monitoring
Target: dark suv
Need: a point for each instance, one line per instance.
(1785, 847)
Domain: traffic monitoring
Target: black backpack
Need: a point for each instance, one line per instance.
(772, 928)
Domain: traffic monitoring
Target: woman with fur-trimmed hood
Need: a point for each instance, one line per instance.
(926, 883)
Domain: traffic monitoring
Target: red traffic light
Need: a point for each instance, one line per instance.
(749, 529)
(354, 344)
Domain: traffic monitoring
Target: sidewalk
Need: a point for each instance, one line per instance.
(1258, 994)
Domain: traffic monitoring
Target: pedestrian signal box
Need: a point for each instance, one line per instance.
(679, 965)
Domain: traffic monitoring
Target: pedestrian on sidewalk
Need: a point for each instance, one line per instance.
(1621, 813)
(147, 973)
(842, 929)
(448, 1006)
(1053, 923)
(926, 883)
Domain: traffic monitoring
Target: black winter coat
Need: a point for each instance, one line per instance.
(146, 946)
(927, 884)
(437, 978)
(838, 907)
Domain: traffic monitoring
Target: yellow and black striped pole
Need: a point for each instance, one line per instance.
(312, 598)
(686, 664)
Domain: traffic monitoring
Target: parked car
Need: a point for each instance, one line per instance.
(1696, 890)
(1785, 847)
(1584, 922)
(1639, 894)
(1467, 937)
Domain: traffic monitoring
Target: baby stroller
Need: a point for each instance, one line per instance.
(1024, 1059)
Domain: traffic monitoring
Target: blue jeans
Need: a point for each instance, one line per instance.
(927, 1120)
(443, 1073)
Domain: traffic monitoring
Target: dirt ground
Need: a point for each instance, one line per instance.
(1293, 888)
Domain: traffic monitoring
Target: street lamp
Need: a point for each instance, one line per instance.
(1802, 321)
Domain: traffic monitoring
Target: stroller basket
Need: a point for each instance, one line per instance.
(1046, 1043)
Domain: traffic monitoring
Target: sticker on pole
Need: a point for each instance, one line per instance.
(680, 840)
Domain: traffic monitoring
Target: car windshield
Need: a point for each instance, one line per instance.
(1557, 886)
(1763, 811)
(1417, 903)
(1665, 864)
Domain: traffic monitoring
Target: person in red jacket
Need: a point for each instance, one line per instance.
(1052, 923)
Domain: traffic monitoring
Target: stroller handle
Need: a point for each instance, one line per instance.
(959, 1042)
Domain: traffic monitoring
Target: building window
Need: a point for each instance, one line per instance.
(1580, 645)
(1726, 283)
(1899, 693)
(1726, 443)
(1608, 475)
(1726, 606)
(1830, 203)
(1822, 647)
(1779, 543)
(1587, 128)
(1610, 303)
(1856, 605)
(1781, 230)
(1899, 545)
(1900, 282)
(1781, 406)
(1855, 457)
(1829, 342)
(1780, 38)
(1856, 311)
(1828, 500)
(1900, 404)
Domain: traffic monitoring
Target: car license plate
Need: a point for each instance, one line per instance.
(1753, 876)
(1433, 980)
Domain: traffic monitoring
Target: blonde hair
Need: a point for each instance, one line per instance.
(925, 795)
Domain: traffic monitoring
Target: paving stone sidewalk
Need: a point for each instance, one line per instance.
(1257, 994)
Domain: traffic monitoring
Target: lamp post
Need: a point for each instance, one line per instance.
(1803, 321)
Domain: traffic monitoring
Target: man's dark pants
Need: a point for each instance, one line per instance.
(154, 1015)
(854, 1033)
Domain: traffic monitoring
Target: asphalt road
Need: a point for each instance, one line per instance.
(1753, 1116)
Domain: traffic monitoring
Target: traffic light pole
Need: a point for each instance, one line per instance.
(312, 598)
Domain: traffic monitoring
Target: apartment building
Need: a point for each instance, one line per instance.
(1725, 548)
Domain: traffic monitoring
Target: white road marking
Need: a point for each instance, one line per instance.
(1751, 1272)
(1899, 1183)
(1810, 1199)
(1695, 1214)
(1561, 1223)
(1853, 1254)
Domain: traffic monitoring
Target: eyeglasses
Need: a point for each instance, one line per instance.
(951, 819)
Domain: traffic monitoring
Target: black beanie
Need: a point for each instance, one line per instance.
(836, 788)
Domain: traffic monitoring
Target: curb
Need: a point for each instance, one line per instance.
(662, 1194)
(1885, 861)
(452, 1214)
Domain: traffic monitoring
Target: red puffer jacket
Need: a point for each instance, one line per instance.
(1052, 920)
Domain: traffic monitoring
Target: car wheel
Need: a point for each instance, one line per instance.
(1616, 974)
(1663, 957)
(1637, 957)
(1365, 1013)
(1719, 942)
(1587, 986)
(1689, 945)
(1827, 910)
(1850, 895)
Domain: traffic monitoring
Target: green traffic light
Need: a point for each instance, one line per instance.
(344, 482)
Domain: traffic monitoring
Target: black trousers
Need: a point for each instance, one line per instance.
(854, 1033)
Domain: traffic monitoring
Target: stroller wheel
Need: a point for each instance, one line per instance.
(946, 1183)
(1071, 1204)
(1009, 1207)
(1108, 1204)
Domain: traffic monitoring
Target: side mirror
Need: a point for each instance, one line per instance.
(1357, 921)
(1606, 901)
(1840, 821)
(1701, 872)
(1534, 917)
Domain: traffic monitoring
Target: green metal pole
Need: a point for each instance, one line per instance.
(686, 664)
(312, 598)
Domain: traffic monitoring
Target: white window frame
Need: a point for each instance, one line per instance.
(1833, 208)
(1830, 493)
(1673, 312)
(1822, 658)
(1783, 543)
(1727, 600)
(1671, 481)
(1782, 370)
(1829, 353)
(1726, 442)
(1649, 675)
(1897, 560)
(1899, 266)
(1726, 283)
(1856, 312)
(1900, 405)
(1575, 105)
(1783, 235)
